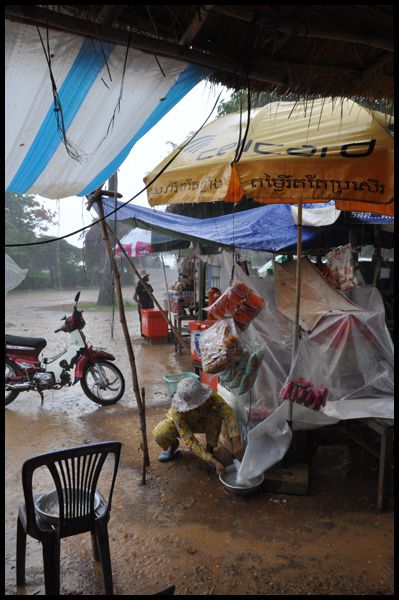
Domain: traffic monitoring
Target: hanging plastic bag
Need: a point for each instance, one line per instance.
(220, 346)
(239, 302)
(340, 265)
(227, 377)
(251, 371)
(242, 375)
(240, 370)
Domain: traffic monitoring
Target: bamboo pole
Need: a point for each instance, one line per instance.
(129, 347)
(143, 479)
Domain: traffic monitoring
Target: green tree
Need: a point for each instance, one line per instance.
(25, 217)
(95, 256)
(55, 265)
(258, 99)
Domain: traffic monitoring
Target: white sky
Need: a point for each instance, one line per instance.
(187, 116)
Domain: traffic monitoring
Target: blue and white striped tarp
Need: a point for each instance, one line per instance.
(88, 76)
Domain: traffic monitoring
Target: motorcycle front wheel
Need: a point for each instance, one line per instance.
(103, 383)
(10, 395)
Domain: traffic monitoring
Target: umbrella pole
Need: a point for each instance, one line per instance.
(295, 341)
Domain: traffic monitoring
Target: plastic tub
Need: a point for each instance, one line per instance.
(153, 324)
(172, 379)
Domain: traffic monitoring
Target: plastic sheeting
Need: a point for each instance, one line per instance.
(317, 296)
(102, 123)
(317, 216)
(14, 275)
(350, 352)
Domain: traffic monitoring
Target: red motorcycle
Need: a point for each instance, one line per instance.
(27, 370)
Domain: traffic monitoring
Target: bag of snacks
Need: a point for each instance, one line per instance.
(303, 392)
(242, 375)
(220, 346)
(251, 371)
(239, 370)
(239, 302)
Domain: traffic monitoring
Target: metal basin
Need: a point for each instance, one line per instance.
(47, 504)
(228, 480)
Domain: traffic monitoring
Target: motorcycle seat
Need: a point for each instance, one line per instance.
(16, 340)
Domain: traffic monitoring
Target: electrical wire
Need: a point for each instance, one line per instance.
(63, 237)
(238, 158)
(59, 115)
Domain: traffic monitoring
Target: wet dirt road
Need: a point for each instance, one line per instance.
(181, 527)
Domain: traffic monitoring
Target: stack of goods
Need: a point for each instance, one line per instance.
(340, 265)
(220, 347)
(303, 392)
(239, 302)
(177, 300)
(185, 274)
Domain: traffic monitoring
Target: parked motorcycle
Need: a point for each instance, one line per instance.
(26, 369)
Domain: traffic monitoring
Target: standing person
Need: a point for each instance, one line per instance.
(141, 296)
(196, 408)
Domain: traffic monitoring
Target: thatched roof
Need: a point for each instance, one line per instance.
(306, 50)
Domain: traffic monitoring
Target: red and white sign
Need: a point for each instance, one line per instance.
(136, 243)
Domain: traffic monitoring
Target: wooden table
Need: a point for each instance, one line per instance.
(385, 428)
(178, 320)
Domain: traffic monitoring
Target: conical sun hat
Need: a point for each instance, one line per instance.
(190, 394)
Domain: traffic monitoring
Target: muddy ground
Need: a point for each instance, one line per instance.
(181, 527)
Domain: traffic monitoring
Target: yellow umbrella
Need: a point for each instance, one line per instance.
(293, 152)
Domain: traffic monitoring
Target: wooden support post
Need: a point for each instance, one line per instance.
(143, 480)
(128, 341)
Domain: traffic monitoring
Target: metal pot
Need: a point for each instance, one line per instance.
(47, 504)
(228, 478)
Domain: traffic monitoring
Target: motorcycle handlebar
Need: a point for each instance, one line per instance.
(57, 330)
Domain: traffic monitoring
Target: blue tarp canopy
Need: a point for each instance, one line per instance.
(270, 227)
(371, 218)
(267, 228)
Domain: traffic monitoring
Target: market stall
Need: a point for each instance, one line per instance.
(343, 369)
(344, 365)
